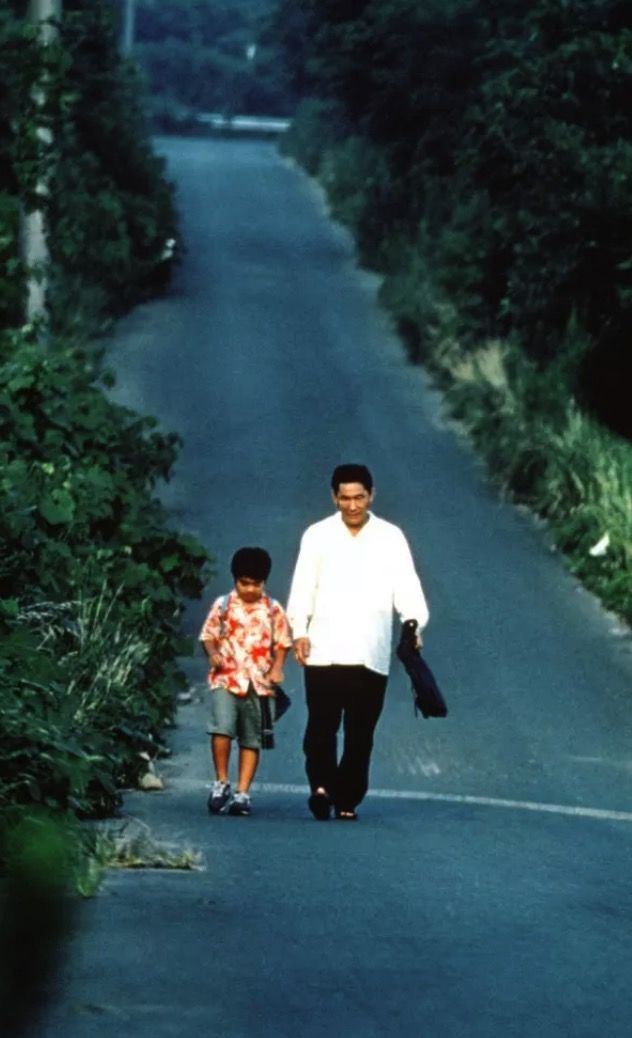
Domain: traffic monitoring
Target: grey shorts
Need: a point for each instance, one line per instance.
(238, 717)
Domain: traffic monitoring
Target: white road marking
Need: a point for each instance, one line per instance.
(602, 814)
(428, 767)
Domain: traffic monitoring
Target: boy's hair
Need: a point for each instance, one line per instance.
(351, 474)
(254, 563)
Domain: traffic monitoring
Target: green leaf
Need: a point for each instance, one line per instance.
(57, 508)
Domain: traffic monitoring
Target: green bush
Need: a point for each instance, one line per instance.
(92, 579)
(312, 133)
(545, 453)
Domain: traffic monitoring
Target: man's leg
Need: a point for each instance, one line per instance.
(363, 702)
(324, 713)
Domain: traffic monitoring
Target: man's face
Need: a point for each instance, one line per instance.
(353, 500)
(249, 590)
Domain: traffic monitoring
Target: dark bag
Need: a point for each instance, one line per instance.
(282, 702)
(267, 727)
(426, 693)
(271, 712)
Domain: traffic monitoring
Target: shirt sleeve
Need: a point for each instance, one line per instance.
(408, 598)
(300, 604)
(281, 633)
(211, 628)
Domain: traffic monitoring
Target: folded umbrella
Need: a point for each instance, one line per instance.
(426, 692)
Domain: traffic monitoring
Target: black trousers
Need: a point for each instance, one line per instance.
(355, 697)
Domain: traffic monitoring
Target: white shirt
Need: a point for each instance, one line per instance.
(345, 588)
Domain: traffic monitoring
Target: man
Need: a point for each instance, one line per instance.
(352, 570)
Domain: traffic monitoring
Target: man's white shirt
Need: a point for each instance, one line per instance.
(345, 588)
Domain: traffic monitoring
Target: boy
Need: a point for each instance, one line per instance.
(246, 637)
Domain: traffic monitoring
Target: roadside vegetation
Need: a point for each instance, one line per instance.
(481, 154)
(93, 579)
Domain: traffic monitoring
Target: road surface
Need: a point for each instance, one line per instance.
(485, 890)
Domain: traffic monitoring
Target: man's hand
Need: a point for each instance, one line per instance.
(302, 649)
(275, 675)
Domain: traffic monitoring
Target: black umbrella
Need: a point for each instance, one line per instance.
(426, 692)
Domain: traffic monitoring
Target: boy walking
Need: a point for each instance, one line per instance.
(246, 637)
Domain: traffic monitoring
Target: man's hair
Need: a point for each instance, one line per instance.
(351, 474)
(254, 563)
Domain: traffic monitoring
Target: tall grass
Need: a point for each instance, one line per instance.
(81, 721)
(542, 450)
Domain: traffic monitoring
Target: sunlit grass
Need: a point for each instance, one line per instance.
(545, 452)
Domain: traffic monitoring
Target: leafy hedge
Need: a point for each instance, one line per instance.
(504, 139)
(92, 581)
(93, 578)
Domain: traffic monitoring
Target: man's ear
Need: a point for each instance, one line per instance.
(334, 498)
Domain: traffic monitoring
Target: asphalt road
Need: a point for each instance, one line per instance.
(485, 890)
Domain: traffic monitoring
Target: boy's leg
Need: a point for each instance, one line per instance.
(220, 749)
(247, 767)
(222, 730)
(249, 735)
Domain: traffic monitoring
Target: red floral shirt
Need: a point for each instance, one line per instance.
(246, 636)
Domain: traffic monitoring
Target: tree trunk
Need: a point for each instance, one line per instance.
(129, 19)
(35, 254)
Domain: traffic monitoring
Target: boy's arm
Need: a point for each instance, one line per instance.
(211, 648)
(275, 674)
(211, 633)
(282, 643)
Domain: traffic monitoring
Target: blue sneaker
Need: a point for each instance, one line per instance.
(220, 795)
(240, 804)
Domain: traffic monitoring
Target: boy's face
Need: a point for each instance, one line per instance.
(249, 590)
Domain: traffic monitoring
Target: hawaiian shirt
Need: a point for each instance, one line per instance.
(245, 635)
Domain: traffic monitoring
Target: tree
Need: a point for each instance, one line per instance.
(45, 15)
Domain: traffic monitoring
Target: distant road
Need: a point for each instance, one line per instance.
(244, 124)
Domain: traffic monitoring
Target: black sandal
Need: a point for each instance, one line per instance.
(344, 815)
(320, 806)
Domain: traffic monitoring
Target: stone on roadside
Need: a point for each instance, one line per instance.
(150, 781)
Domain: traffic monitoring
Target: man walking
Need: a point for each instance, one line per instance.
(352, 571)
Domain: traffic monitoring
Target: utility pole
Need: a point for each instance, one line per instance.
(45, 15)
(129, 22)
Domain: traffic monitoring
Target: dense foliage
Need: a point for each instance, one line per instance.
(209, 56)
(93, 579)
(109, 209)
(504, 159)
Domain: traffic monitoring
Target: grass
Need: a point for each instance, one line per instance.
(130, 845)
(543, 451)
